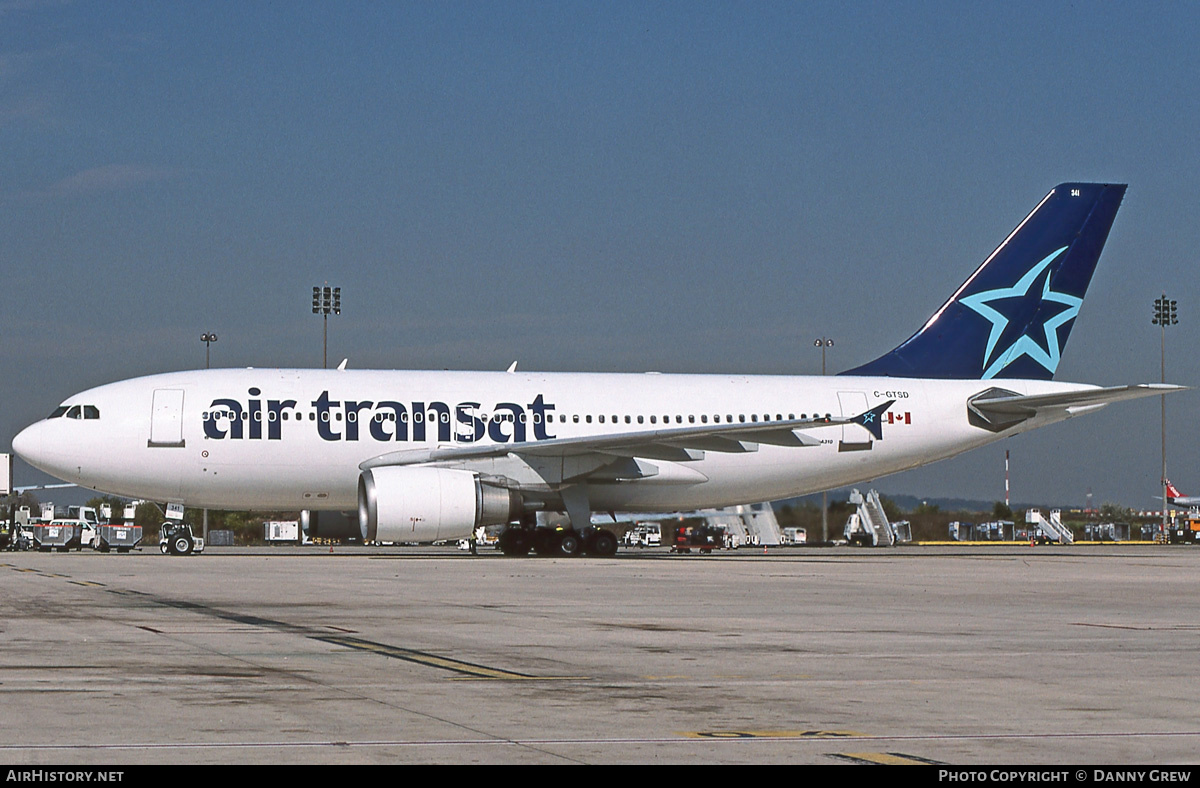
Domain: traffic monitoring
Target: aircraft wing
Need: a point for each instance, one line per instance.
(679, 444)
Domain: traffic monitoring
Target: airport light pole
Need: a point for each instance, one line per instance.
(207, 338)
(1164, 315)
(326, 300)
(824, 342)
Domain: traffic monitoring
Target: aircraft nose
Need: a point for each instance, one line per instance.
(28, 444)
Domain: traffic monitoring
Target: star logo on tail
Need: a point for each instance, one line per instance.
(1018, 311)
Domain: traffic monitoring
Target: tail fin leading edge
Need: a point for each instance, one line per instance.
(1012, 317)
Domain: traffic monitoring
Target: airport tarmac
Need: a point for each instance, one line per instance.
(1012, 655)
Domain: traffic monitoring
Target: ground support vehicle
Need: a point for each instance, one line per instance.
(178, 539)
(1182, 530)
(17, 538)
(121, 538)
(63, 535)
(704, 538)
(644, 534)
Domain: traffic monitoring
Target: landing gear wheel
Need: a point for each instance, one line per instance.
(604, 544)
(568, 545)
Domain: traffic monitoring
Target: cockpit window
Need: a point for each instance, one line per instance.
(59, 411)
(91, 412)
(76, 412)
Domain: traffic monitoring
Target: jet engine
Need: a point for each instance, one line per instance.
(407, 504)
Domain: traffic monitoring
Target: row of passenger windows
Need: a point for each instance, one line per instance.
(508, 417)
(75, 412)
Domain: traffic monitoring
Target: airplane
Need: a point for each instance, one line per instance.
(423, 456)
(1176, 498)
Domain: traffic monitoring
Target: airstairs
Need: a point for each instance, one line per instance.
(869, 525)
(747, 525)
(1051, 528)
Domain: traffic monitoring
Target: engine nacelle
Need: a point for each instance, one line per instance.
(403, 504)
(330, 525)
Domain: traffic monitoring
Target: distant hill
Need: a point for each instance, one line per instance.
(910, 502)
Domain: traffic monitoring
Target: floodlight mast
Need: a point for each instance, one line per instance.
(208, 337)
(1164, 315)
(326, 299)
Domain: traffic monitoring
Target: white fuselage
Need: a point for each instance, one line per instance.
(294, 439)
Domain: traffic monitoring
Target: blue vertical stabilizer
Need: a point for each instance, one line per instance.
(1012, 317)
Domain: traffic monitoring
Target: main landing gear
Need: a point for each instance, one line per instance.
(580, 537)
(562, 542)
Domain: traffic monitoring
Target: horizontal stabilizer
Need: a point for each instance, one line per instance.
(997, 409)
(1028, 405)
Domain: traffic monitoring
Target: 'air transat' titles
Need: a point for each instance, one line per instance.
(385, 421)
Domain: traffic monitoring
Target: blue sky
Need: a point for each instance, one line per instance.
(701, 187)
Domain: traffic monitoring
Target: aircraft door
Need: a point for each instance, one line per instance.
(166, 418)
(854, 437)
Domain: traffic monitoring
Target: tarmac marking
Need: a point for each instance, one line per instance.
(423, 658)
(813, 734)
(87, 583)
(1172, 628)
(886, 758)
(459, 667)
